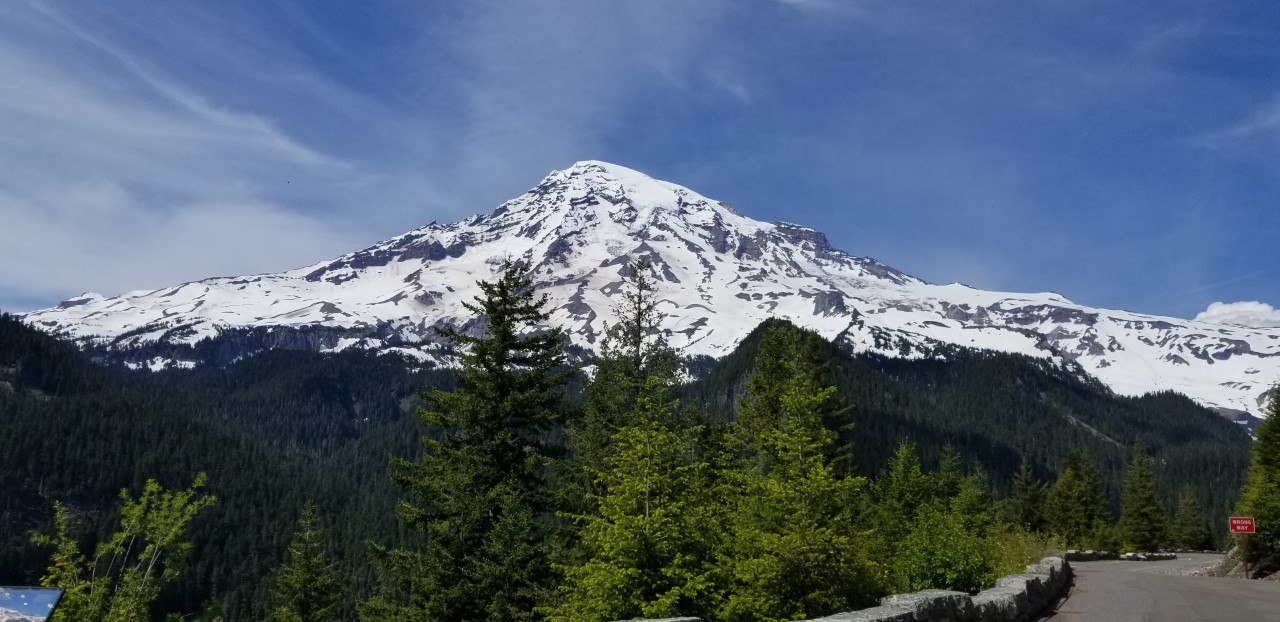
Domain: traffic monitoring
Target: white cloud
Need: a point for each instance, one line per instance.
(109, 244)
(1264, 121)
(549, 83)
(1252, 313)
(128, 164)
(1262, 124)
(118, 177)
(824, 6)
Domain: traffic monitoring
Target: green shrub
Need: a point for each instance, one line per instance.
(1015, 548)
(939, 553)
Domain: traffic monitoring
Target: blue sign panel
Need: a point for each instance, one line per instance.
(28, 604)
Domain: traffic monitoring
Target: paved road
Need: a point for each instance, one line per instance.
(1138, 591)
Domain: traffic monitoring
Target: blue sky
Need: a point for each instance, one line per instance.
(1123, 154)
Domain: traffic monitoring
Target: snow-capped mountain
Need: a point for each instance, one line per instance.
(720, 273)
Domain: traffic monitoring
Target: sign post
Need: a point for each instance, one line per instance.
(1243, 525)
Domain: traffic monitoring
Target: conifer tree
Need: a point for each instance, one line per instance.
(633, 358)
(1100, 534)
(1260, 497)
(796, 548)
(479, 491)
(973, 502)
(1026, 505)
(306, 587)
(1063, 510)
(901, 491)
(1095, 498)
(1142, 517)
(950, 472)
(648, 524)
(1072, 503)
(647, 544)
(1188, 529)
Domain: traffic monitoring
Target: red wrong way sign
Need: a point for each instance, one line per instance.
(1241, 524)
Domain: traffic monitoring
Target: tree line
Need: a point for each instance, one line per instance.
(646, 509)
(738, 497)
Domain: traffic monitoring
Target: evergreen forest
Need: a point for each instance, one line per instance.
(788, 480)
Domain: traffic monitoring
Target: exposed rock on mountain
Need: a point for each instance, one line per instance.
(720, 274)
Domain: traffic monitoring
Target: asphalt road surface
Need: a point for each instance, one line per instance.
(1133, 591)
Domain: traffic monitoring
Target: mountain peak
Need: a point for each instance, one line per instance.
(598, 173)
(588, 179)
(718, 274)
(600, 166)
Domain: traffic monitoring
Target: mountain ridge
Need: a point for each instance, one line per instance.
(719, 273)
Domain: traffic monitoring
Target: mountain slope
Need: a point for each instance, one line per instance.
(997, 409)
(272, 433)
(281, 428)
(721, 273)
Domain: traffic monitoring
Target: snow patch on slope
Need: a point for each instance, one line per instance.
(719, 274)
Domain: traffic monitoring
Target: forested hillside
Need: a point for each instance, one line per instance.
(271, 432)
(998, 409)
(279, 429)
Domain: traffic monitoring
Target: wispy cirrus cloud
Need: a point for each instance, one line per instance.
(119, 177)
(1013, 146)
(1263, 123)
(124, 136)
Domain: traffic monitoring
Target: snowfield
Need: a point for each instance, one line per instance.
(719, 272)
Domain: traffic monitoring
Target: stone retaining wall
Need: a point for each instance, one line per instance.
(1093, 556)
(1089, 556)
(1015, 598)
(666, 620)
(1148, 557)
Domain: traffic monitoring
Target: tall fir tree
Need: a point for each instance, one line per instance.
(1260, 497)
(648, 524)
(796, 547)
(1097, 512)
(1095, 497)
(479, 492)
(1065, 507)
(1187, 530)
(901, 491)
(633, 359)
(648, 543)
(1075, 506)
(973, 502)
(1026, 505)
(1142, 517)
(306, 587)
(950, 475)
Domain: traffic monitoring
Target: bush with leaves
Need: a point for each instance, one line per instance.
(128, 569)
(941, 553)
(955, 540)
